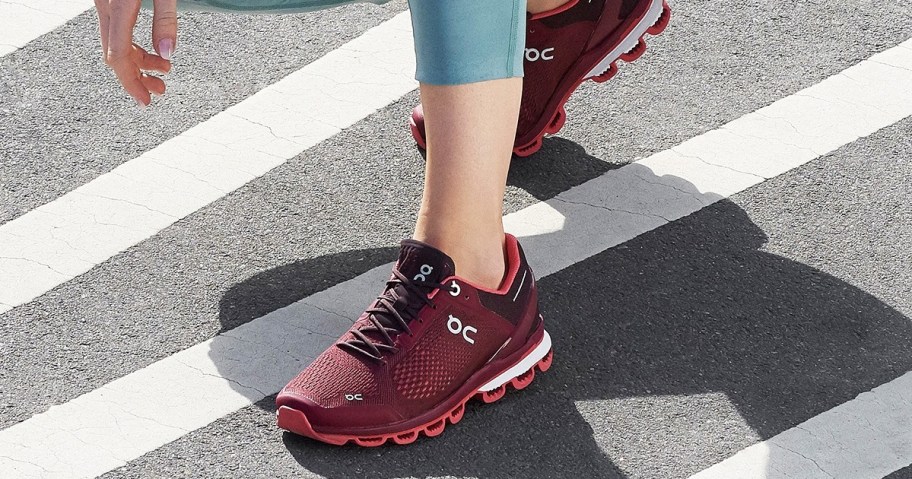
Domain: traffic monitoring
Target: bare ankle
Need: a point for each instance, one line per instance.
(479, 261)
(487, 274)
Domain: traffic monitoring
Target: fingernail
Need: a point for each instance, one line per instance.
(141, 105)
(166, 48)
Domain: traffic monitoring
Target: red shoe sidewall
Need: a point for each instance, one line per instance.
(438, 413)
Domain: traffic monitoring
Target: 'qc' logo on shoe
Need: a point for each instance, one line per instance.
(533, 54)
(455, 326)
(424, 272)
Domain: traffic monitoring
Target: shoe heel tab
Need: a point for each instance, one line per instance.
(554, 11)
(517, 265)
(513, 251)
(513, 259)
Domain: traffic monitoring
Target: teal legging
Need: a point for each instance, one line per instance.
(456, 41)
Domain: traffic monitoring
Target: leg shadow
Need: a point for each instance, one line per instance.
(279, 287)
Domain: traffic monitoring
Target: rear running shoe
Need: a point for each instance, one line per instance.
(578, 41)
(427, 345)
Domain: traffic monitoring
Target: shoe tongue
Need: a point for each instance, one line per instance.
(417, 262)
(421, 262)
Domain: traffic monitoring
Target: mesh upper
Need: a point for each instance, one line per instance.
(334, 374)
(432, 366)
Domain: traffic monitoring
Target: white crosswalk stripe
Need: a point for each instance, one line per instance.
(876, 427)
(65, 238)
(26, 20)
(145, 410)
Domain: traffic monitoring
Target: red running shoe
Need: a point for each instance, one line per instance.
(427, 345)
(578, 41)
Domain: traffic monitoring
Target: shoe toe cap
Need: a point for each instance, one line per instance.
(343, 416)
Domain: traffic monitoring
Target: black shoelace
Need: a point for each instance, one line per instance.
(386, 320)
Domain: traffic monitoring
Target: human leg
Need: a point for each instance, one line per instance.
(459, 316)
(471, 129)
(472, 98)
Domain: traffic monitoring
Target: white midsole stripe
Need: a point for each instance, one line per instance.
(67, 237)
(531, 359)
(22, 21)
(627, 44)
(133, 415)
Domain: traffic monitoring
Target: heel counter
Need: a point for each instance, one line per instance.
(521, 296)
(518, 305)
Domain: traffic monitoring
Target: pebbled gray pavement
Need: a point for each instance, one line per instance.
(688, 343)
(64, 120)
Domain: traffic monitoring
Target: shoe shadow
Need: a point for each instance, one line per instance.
(692, 309)
(560, 165)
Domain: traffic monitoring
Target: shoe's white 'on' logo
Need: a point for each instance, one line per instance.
(354, 397)
(534, 55)
(424, 272)
(455, 326)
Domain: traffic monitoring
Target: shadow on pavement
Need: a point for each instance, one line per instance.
(690, 308)
(558, 169)
(279, 287)
(560, 165)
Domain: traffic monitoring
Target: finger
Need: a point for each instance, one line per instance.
(164, 27)
(102, 6)
(148, 61)
(130, 76)
(153, 84)
(123, 15)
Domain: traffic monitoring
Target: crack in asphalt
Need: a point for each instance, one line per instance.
(34, 261)
(890, 65)
(783, 447)
(121, 200)
(189, 173)
(701, 160)
(847, 102)
(771, 140)
(230, 380)
(695, 195)
(614, 210)
(21, 461)
(328, 311)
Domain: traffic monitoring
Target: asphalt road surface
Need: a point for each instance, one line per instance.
(753, 316)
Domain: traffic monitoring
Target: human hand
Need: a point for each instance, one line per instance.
(116, 20)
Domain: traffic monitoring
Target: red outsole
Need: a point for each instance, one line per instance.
(296, 422)
(559, 117)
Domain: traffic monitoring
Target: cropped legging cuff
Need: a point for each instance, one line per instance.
(456, 41)
(467, 41)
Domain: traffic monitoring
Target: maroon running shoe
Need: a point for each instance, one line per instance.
(578, 41)
(427, 345)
